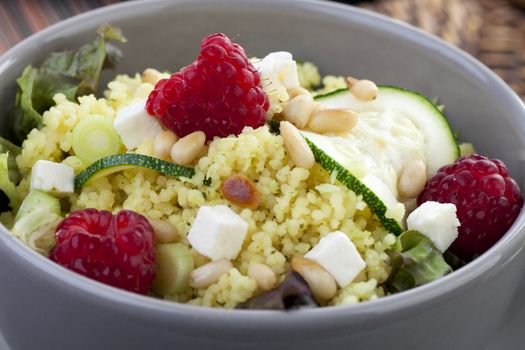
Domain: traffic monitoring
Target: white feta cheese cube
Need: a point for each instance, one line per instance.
(338, 255)
(134, 124)
(437, 221)
(278, 70)
(52, 177)
(217, 232)
(280, 56)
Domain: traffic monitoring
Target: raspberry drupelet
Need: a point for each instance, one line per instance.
(219, 93)
(487, 201)
(113, 249)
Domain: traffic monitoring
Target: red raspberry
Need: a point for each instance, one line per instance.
(487, 201)
(114, 249)
(219, 93)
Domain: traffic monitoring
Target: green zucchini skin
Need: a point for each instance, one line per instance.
(132, 159)
(353, 184)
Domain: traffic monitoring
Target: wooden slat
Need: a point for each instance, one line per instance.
(20, 18)
(491, 30)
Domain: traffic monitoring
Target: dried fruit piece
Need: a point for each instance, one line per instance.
(240, 190)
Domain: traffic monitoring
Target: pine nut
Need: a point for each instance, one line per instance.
(296, 91)
(203, 152)
(410, 205)
(298, 110)
(186, 149)
(263, 275)
(151, 75)
(164, 231)
(412, 179)
(321, 283)
(332, 120)
(350, 81)
(318, 107)
(206, 275)
(296, 146)
(163, 142)
(241, 191)
(365, 90)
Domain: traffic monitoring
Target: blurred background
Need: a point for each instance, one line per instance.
(491, 30)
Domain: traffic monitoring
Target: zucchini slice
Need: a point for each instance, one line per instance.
(398, 126)
(112, 164)
(441, 144)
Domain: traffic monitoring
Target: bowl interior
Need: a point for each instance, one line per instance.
(166, 35)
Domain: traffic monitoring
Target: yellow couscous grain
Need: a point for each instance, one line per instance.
(298, 206)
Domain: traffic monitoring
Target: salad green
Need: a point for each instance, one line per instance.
(72, 73)
(6, 185)
(415, 261)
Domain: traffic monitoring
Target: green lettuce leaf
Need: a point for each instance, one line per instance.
(13, 175)
(415, 261)
(37, 229)
(86, 63)
(24, 117)
(6, 185)
(7, 146)
(73, 73)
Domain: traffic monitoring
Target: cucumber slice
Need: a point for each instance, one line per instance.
(174, 265)
(394, 129)
(38, 200)
(112, 164)
(441, 145)
(95, 137)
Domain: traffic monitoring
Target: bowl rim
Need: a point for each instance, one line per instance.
(155, 310)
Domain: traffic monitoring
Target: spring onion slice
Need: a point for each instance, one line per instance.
(95, 137)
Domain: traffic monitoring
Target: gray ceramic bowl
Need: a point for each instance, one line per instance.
(44, 306)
